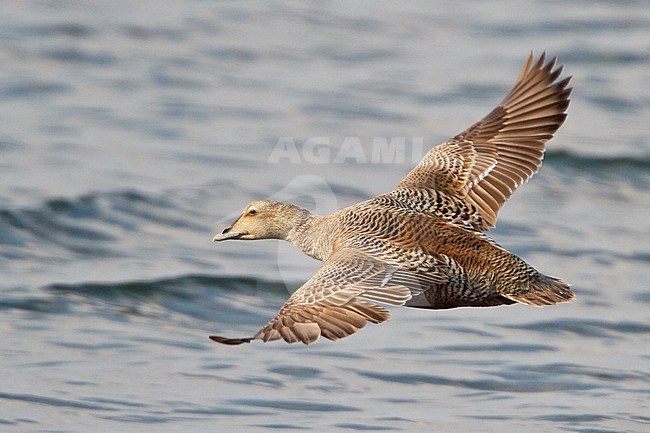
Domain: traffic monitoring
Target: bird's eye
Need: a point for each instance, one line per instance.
(252, 212)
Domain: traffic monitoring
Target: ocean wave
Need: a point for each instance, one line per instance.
(182, 286)
(600, 172)
(586, 328)
(89, 224)
(629, 163)
(214, 299)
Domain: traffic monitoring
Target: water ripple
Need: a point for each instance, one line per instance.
(591, 328)
(366, 427)
(29, 88)
(295, 405)
(51, 401)
(542, 384)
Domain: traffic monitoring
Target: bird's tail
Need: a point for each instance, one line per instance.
(543, 291)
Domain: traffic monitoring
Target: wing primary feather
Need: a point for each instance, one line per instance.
(231, 341)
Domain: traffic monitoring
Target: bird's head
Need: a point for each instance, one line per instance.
(263, 219)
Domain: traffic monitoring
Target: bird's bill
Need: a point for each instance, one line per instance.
(227, 234)
(224, 237)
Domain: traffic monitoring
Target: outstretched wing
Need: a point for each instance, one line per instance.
(340, 298)
(485, 164)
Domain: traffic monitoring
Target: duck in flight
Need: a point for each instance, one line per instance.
(423, 244)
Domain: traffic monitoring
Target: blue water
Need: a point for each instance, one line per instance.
(133, 131)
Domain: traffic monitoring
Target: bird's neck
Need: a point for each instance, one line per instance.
(314, 235)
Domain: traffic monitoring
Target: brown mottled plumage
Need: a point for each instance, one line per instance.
(422, 244)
